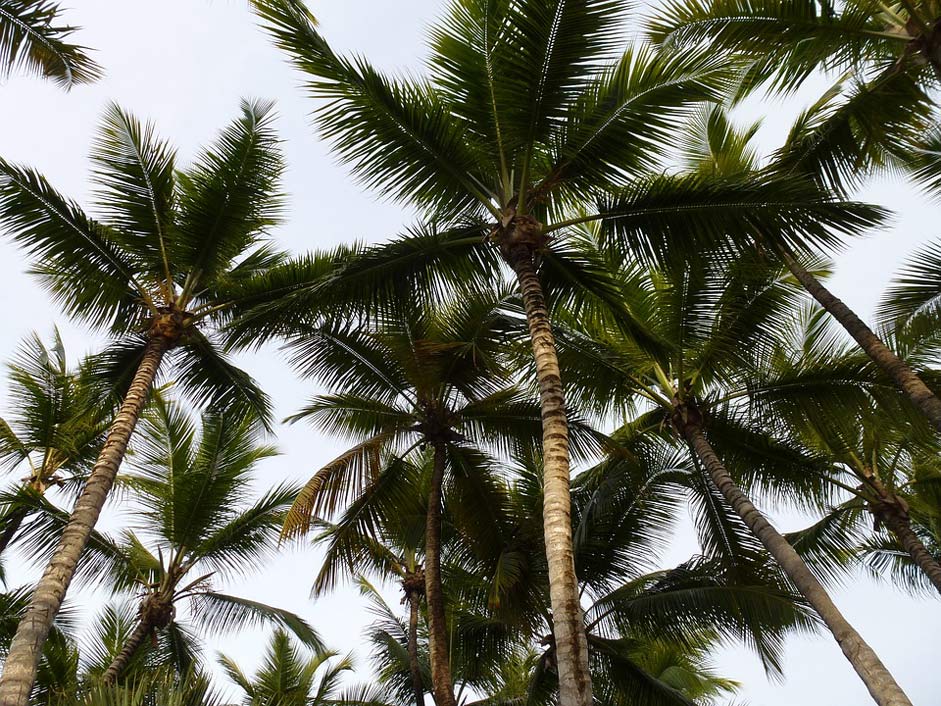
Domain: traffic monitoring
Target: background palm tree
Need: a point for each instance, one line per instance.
(382, 534)
(33, 40)
(716, 320)
(876, 446)
(198, 527)
(423, 377)
(287, 677)
(57, 425)
(154, 271)
(886, 116)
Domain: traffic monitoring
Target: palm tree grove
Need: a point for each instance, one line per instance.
(470, 353)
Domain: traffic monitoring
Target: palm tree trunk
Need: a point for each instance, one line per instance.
(567, 620)
(12, 525)
(441, 684)
(23, 658)
(129, 649)
(901, 527)
(893, 366)
(881, 684)
(414, 667)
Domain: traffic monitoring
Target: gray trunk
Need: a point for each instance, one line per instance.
(881, 684)
(893, 366)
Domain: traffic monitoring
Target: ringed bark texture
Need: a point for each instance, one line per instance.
(880, 683)
(441, 684)
(893, 366)
(19, 672)
(567, 619)
(919, 553)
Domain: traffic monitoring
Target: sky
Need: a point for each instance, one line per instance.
(185, 64)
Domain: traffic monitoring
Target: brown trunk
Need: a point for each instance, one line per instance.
(128, 650)
(881, 684)
(414, 667)
(441, 684)
(20, 669)
(919, 552)
(893, 366)
(892, 511)
(11, 527)
(567, 620)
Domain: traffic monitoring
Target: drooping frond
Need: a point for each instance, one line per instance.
(33, 40)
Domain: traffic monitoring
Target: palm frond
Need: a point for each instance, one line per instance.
(33, 40)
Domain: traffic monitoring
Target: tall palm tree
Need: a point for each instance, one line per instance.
(716, 321)
(530, 108)
(33, 40)
(58, 421)
(197, 526)
(422, 378)
(153, 270)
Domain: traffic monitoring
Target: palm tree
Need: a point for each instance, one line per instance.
(875, 450)
(530, 108)
(382, 534)
(638, 620)
(154, 271)
(32, 40)
(195, 511)
(424, 378)
(715, 321)
(287, 677)
(58, 423)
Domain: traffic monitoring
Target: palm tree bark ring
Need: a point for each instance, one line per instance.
(22, 661)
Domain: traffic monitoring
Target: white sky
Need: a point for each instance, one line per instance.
(185, 64)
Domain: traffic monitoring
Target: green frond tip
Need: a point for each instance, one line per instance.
(33, 40)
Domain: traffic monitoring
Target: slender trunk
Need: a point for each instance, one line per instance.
(23, 658)
(893, 366)
(881, 684)
(896, 519)
(11, 527)
(441, 684)
(568, 624)
(414, 667)
(128, 650)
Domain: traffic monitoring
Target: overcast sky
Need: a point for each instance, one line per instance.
(185, 64)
